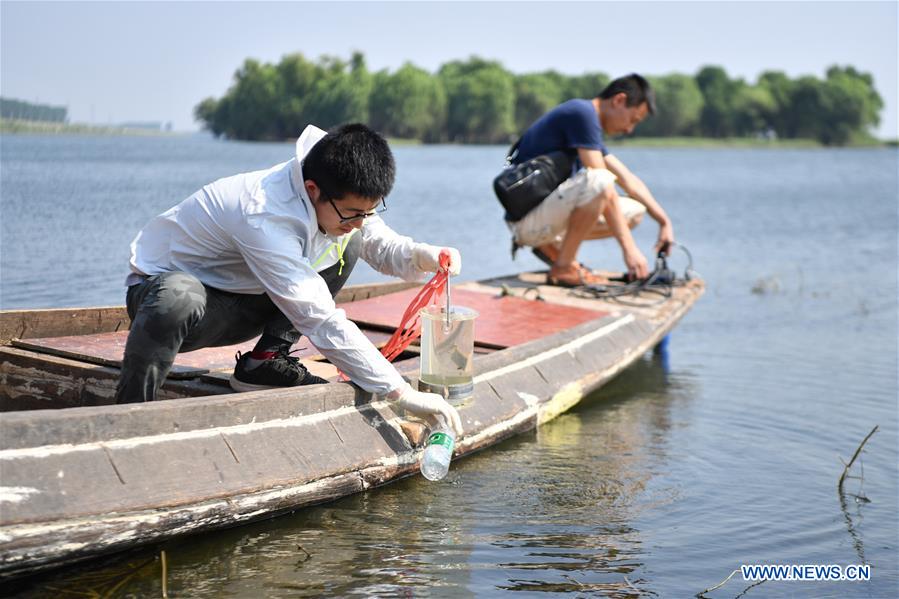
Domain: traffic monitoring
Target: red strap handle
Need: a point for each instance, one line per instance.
(410, 326)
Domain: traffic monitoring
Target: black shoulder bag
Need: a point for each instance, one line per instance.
(521, 187)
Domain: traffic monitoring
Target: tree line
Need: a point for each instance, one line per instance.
(26, 111)
(480, 101)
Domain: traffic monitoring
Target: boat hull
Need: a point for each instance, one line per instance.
(89, 481)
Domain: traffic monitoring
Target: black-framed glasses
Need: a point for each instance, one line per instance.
(348, 219)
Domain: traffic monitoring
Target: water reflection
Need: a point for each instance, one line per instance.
(663, 354)
(585, 482)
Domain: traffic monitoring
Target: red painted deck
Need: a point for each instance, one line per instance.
(107, 349)
(502, 321)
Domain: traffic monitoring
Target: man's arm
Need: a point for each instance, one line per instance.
(274, 256)
(633, 257)
(393, 254)
(637, 189)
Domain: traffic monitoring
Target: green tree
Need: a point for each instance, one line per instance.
(250, 106)
(535, 94)
(679, 105)
(480, 101)
(298, 77)
(409, 103)
(588, 85)
(718, 91)
(808, 108)
(837, 110)
(781, 89)
(340, 92)
(752, 107)
(852, 105)
(207, 113)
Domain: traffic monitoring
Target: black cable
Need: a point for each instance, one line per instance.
(660, 281)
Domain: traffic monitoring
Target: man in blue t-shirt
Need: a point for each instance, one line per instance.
(586, 205)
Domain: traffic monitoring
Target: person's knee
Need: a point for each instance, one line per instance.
(598, 181)
(634, 220)
(606, 197)
(600, 201)
(595, 188)
(180, 299)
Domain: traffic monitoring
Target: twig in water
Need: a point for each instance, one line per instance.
(113, 592)
(308, 555)
(717, 586)
(631, 585)
(572, 580)
(852, 461)
(165, 575)
(754, 584)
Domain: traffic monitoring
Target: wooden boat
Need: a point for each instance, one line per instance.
(80, 477)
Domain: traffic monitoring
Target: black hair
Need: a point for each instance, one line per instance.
(351, 159)
(635, 87)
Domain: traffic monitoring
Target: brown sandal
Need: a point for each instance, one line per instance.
(585, 277)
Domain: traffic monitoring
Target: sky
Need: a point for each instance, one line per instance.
(112, 62)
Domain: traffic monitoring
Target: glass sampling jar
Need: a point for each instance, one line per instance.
(447, 348)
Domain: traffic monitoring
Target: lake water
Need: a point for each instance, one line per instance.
(660, 484)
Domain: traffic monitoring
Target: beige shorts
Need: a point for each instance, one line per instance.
(548, 222)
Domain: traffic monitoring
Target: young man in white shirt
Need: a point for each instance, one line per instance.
(265, 253)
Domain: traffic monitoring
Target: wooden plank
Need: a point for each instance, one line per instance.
(502, 321)
(24, 324)
(175, 470)
(79, 484)
(107, 349)
(33, 549)
(34, 381)
(359, 292)
(533, 292)
(532, 285)
(110, 422)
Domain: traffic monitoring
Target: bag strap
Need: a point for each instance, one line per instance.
(513, 152)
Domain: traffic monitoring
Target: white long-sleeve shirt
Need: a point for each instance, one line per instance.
(258, 233)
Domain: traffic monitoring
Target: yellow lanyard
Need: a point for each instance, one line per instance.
(339, 248)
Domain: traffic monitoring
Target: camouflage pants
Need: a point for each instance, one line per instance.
(174, 312)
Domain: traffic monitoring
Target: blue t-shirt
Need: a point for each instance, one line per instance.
(571, 125)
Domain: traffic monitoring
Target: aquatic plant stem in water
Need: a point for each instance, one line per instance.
(854, 456)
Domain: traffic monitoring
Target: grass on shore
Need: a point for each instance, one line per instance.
(737, 142)
(19, 126)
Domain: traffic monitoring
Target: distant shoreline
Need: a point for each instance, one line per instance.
(740, 142)
(48, 128)
(8, 126)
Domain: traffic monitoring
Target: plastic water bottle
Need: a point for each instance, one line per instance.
(436, 458)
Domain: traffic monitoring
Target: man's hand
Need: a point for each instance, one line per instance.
(636, 263)
(426, 258)
(426, 405)
(666, 239)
